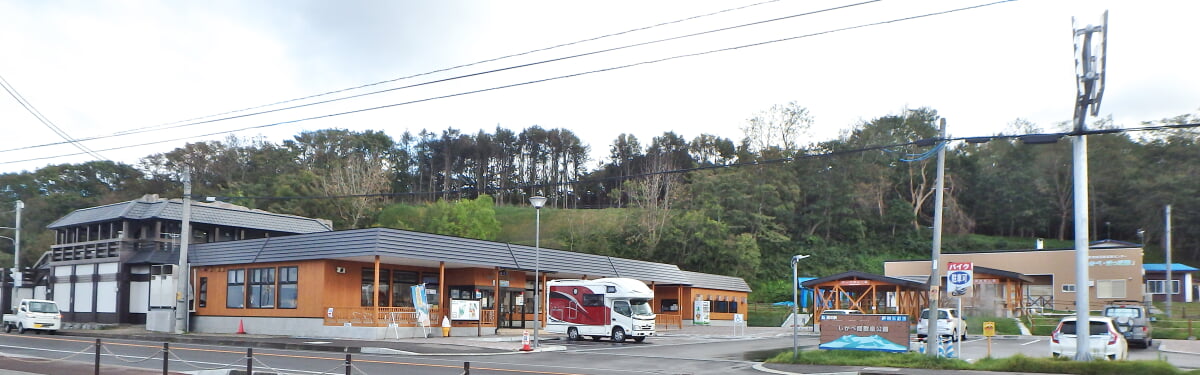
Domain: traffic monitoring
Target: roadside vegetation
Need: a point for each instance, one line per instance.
(1018, 363)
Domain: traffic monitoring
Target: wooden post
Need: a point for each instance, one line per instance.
(496, 298)
(375, 293)
(443, 299)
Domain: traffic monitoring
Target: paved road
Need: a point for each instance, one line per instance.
(694, 350)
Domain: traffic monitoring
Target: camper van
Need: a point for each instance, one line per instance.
(611, 307)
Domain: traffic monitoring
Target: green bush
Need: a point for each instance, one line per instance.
(1016, 363)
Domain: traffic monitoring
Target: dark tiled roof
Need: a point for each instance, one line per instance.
(903, 282)
(720, 282)
(154, 256)
(400, 244)
(221, 214)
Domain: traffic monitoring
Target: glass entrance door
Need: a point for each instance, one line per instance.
(513, 311)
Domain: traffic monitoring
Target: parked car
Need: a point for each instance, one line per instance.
(840, 312)
(949, 323)
(35, 314)
(1104, 339)
(1133, 321)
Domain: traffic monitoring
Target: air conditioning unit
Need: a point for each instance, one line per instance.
(340, 269)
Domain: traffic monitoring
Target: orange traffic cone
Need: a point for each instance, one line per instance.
(525, 342)
(241, 328)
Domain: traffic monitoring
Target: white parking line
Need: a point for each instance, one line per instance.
(1031, 342)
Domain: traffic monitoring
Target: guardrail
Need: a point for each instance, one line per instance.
(100, 349)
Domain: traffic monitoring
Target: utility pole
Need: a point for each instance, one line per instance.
(932, 338)
(182, 278)
(1167, 248)
(1089, 76)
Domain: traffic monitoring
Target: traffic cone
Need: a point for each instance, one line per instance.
(525, 342)
(241, 328)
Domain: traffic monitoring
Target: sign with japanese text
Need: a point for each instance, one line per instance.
(959, 277)
(870, 332)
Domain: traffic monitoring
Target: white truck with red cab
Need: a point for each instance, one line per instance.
(34, 314)
(610, 307)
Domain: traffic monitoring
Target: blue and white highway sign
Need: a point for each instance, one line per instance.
(959, 277)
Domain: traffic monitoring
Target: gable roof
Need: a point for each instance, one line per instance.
(902, 282)
(423, 249)
(220, 214)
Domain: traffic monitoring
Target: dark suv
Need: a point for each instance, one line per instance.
(1133, 320)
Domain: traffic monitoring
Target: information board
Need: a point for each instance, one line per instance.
(870, 332)
(462, 309)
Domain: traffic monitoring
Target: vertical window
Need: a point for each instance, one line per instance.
(287, 287)
(368, 287)
(402, 288)
(235, 292)
(262, 288)
(431, 288)
(202, 290)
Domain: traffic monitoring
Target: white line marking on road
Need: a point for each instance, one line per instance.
(1031, 342)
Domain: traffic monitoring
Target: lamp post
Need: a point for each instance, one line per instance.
(537, 201)
(796, 307)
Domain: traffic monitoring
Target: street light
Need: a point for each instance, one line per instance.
(537, 201)
(795, 307)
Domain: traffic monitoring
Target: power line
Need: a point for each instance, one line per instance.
(131, 131)
(193, 122)
(45, 121)
(544, 79)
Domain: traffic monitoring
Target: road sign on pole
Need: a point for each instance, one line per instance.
(960, 277)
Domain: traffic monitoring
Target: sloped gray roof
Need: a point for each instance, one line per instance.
(221, 214)
(720, 282)
(366, 243)
(902, 282)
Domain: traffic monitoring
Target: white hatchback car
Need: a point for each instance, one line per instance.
(1105, 341)
(949, 324)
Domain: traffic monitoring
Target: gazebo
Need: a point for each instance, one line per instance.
(869, 293)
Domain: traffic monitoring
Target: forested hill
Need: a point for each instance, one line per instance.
(708, 204)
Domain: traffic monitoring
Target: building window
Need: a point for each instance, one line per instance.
(368, 286)
(1068, 288)
(403, 281)
(288, 277)
(202, 291)
(670, 305)
(1110, 288)
(262, 288)
(719, 306)
(235, 297)
(431, 288)
(1159, 286)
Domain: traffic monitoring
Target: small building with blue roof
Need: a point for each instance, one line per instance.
(1183, 285)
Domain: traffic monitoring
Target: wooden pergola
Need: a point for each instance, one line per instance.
(999, 291)
(869, 293)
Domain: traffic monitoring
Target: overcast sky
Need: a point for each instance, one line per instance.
(96, 68)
